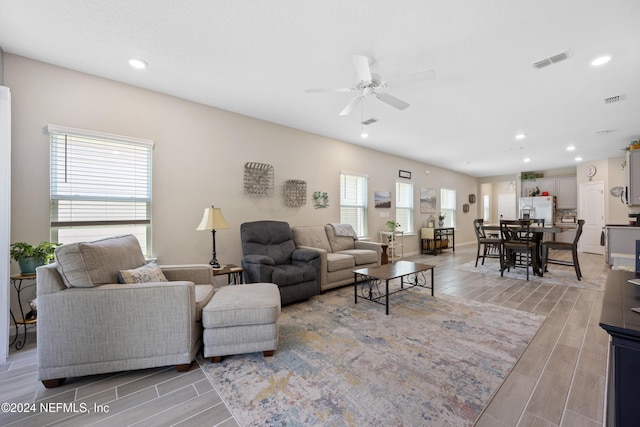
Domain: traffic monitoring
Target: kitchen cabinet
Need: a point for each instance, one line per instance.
(633, 177)
(544, 184)
(567, 196)
(620, 244)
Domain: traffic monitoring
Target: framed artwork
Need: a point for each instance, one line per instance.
(427, 200)
(404, 174)
(382, 199)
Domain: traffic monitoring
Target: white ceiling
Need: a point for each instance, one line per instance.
(258, 57)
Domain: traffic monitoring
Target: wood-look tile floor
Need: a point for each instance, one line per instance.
(558, 381)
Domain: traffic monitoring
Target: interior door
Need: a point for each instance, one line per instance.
(506, 206)
(592, 211)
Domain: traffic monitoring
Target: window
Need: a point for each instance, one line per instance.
(353, 201)
(404, 206)
(487, 208)
(100, 186)
(448, 206)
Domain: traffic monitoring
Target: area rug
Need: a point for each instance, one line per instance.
(432, 361)
(557, 275)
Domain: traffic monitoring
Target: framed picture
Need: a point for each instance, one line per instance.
(382, 199)
(427, 200)
(404, 174)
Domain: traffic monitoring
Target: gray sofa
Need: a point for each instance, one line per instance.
(89, 324)
(339, 255)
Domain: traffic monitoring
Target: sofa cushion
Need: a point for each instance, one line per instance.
(312, 236)
(338, 243)
(340, 261)
(147, 273)
(204, 293)
(362, 256)
(88, 264)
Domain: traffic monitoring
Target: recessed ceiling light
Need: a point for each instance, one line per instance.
(138, 63)
(601, 60)
(578, 159)
(526, 160)
(520, 136)
(571, 147)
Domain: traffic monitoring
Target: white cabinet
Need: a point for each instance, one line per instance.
(633, 177)
(567, 197)
(543, 184)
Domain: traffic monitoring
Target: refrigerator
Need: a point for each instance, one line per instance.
(539, 207)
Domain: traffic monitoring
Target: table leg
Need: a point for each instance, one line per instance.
(387, 297)
(432, 283)
(355, 288)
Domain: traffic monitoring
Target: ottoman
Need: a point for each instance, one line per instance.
(241, 319)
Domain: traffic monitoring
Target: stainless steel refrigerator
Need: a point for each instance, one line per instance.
(542, 207)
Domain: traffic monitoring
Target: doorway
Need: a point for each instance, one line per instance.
(592, 211)
(506, 206)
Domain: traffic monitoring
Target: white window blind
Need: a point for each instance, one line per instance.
(100, 186)
(353, 202)
(448, 206)
(404, 206)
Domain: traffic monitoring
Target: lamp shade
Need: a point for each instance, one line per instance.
(212, 220)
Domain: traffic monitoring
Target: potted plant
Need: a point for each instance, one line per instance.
(29, 257)
(441, 218)
(392, 225)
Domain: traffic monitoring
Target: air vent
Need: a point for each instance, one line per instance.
(369, 121)
(613, 99)
(552, 60)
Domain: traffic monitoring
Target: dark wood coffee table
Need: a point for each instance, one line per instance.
(411, 274)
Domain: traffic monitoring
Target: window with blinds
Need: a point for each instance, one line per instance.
(353, 201)
(448, 206)
(100, 186)
(404, 206)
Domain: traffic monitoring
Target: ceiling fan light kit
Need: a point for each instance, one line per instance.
(371, 84)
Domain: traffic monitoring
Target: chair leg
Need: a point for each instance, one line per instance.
(576, 266)
(484, 253)
(528, 262)
(478, 254)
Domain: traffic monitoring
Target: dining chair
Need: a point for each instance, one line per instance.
(489, 245)
(517, 243)
(564, 246)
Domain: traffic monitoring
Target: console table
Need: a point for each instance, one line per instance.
(26, 320)
(623, 325)
(433, 239)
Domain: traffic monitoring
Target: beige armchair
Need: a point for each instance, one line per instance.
(88, 323)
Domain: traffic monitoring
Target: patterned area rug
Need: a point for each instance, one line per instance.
(432, 361)
(557, 275)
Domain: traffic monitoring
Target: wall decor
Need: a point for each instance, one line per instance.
(320, 200)
(427, 200)
(295, 192)
(258, 179)
(404, 174)
(382, 199)
(465, 208)
(472, 198)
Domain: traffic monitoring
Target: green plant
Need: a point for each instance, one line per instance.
(43, 252)
(392, 225)
(528, 176)
(442, 216)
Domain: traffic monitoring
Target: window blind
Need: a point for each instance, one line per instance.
(100, 185)
(448, 206)
(404, 206)
(353, 202)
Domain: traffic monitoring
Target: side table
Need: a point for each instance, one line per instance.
(16, 281)
(233, 272)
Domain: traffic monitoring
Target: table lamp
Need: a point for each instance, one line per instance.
(213, 220)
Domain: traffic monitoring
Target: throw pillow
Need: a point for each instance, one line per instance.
(147, 273)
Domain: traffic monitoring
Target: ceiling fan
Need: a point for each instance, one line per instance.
(372, 84)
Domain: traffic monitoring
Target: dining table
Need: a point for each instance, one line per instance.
(538, 231)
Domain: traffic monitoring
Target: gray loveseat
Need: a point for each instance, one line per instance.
(339, 254)
(90, 324)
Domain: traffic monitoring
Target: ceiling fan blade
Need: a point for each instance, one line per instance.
(362, 67)
(392, 100)
(351, 105)
(420, 76)
(337, 89)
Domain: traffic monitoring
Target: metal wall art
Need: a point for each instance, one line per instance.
(295, 192)
(258, 179)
